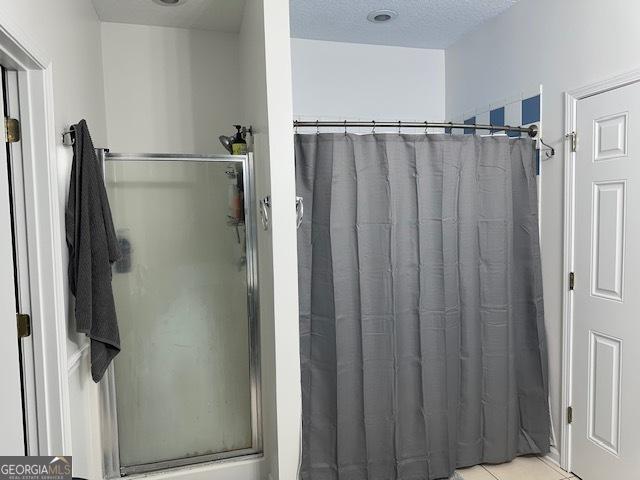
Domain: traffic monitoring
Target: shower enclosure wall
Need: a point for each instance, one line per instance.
(185, 389)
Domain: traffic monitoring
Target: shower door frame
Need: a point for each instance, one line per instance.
(108, 406)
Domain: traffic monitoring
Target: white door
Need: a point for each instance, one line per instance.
(11, 427)
(606, 319)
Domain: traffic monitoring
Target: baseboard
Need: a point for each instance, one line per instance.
(553, 456)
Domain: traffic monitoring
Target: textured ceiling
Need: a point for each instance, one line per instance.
(420, 23)
(220, 15)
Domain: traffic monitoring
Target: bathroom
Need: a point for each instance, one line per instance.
(224, 257)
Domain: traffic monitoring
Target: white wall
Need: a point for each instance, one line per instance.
(68, 33)
(169, 90)
(176, 90)
(266, 82)
(372, 82)
(562, 45)
(284, 237)
(254, 113)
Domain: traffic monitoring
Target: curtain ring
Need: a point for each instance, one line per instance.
(399, 126)
(296, 127)
(345, 128)
(426, 126)
(317, 127)
(373, 129)
(451, 128)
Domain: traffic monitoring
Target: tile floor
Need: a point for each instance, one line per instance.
(522, 468)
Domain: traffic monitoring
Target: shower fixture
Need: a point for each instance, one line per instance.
(227, 141)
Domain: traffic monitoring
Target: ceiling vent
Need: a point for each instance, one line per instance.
(169, 3)
(382, 16)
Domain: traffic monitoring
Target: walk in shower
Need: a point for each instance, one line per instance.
(185, 387)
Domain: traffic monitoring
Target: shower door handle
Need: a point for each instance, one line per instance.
(299, 211)
(265, 206)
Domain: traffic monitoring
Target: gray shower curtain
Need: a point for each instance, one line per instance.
(421, 313)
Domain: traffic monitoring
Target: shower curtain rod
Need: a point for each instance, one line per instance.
(532, 130)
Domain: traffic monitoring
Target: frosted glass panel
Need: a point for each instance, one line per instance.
(183, 383)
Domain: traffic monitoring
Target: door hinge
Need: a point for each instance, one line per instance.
(569, 414)
(573, 138)
(11, 130)
(24, 325)
(572, 281)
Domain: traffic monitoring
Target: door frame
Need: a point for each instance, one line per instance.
(572, 97)
(48, 393)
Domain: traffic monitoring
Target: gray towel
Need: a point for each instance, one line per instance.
(93, 247)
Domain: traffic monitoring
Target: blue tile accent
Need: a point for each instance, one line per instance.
(469, 121)
(496, 117)
(511, 133)
(531, 110)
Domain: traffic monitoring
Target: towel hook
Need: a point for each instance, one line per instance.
(547, 153)
(69, 137)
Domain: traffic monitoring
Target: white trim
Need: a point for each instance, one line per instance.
(567, 296)
(571, 105)
(44, 242)
(46, 262)
(74, 360)
(11, 416)
(22, 265)
(17, 48)
(605, 85)
(553, 456)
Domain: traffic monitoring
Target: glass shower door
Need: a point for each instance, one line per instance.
(185, 380)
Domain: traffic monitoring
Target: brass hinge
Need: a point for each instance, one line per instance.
(11, 130)
(24, 325)
(572, 281)
(573, 138)
(569, 414)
